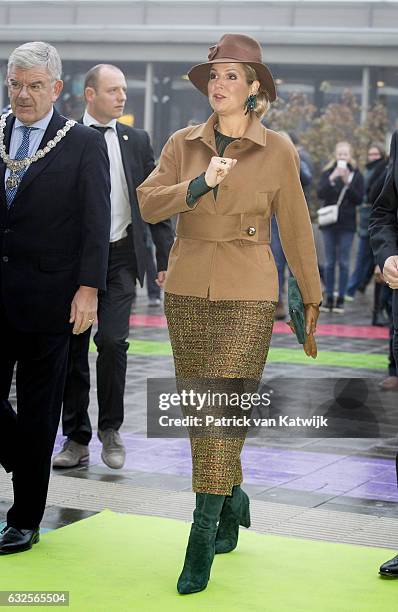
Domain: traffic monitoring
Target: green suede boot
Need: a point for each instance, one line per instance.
(235, 512)
(200, 550)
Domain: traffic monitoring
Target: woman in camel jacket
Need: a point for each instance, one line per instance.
(225, 179)
(222, 250)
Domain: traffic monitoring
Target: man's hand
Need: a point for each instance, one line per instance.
(377, 275)
(390, 271)
(161, 279)
(83, 309)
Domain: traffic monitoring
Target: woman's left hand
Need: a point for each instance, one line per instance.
(309, 346)
(311, 317)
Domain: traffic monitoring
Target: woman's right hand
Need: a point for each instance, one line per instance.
(342, 173)
(218, 169)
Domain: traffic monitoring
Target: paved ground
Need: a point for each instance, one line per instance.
(355, 476)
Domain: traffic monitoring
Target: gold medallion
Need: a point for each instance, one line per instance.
(12, 181)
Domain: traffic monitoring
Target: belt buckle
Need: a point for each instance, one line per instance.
(118, 243)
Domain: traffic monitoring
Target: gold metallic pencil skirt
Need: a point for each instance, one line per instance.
(226, 339)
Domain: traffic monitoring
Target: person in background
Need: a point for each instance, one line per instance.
(153, 289)
(364, 266)
(385, 305)
(383, 230)
(382, 300)
(341, 173)
(131, 161)
(306, 170)
(306, 165)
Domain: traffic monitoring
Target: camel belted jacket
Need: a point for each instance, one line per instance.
(222, 250)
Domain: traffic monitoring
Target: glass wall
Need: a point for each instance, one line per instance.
(385, 90)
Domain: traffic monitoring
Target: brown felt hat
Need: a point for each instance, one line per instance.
(234, 48)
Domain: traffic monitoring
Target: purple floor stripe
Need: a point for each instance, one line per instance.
(306, 471)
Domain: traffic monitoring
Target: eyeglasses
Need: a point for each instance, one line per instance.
(16, 86)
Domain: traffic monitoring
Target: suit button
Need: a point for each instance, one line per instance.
(251, 231)
(5, 258)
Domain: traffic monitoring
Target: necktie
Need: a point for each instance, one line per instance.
(23, 151)
(101, 129)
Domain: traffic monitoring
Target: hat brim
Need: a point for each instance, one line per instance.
(199, 75)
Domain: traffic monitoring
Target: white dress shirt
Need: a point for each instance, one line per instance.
(120, 201)
(35, 137)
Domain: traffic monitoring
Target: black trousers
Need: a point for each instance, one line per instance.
(8, 433)
(394, 342)
(27, 440)
(114, 307)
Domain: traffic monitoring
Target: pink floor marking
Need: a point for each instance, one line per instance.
(340, 331)
(139, 320)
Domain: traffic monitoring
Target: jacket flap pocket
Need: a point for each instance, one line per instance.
(57, 263)
(255, 228)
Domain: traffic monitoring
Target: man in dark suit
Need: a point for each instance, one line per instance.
(54, 240)
(131, 161)
(383, 231)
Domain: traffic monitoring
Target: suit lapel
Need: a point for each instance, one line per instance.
(7, 139)
(128, 159)
(57, 122)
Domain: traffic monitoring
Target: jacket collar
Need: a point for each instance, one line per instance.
(376, 163)
(256, 131)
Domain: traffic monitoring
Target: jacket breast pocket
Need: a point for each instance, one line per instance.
(53, 173)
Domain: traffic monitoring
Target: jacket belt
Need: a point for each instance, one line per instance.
(223, 228)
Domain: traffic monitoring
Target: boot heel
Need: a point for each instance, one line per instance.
(245, 511)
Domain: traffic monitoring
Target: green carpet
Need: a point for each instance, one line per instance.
(117, 563)
(276, 355)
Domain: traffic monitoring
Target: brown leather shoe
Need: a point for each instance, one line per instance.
(113, 450)
(389, 384)
(71, 455)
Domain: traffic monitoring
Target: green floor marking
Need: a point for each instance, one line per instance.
(276, 355)
(267, 573)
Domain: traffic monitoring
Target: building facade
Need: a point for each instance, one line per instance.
(319, 47)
